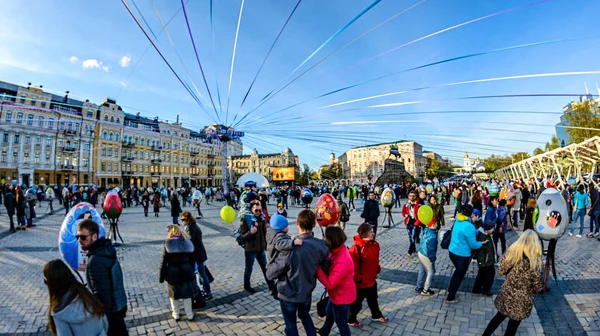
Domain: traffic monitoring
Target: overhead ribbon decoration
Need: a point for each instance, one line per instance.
(212, 34)
(268, 53)
(336, 34)
(237, 32)
(340, 49)
(144, 19)
(187, 22)
(162, 56)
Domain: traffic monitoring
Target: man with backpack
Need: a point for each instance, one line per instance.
(253, 237)
(104, 275)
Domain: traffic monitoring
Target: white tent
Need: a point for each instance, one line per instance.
(260, 180)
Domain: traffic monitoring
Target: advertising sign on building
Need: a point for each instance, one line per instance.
(283, 174)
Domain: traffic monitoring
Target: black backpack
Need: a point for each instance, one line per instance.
(445, 244)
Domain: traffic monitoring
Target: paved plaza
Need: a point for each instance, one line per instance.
(571, 308)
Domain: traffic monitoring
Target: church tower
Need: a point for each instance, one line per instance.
(467, 165)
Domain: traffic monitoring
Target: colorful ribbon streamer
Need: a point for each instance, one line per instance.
(237, 32)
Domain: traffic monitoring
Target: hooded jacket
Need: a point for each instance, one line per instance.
(255, 242)
(580, 200)
(177, 262)
(365, 256)
(104, 281)
(73, 319)
(464, 237)
(486, 255)
(339, 283)
(429, 242)
(195, 233)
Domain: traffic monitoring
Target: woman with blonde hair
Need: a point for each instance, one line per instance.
(177, 268)
(522, 266)
(73, 309)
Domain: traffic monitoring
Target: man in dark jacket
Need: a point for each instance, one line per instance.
(253, 230)
(594, 210)
(104, 275)
(9, 203)
(200, 256)
(371, 212)
(296, 287)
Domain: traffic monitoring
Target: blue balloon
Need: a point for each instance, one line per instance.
(68, 245)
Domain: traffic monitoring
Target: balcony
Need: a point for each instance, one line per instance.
(155, 174)
(156, 148)
(126, 158)
(127, 144)
(67, 167)
(127, 173)
(70, 132)
(67, 149)
(4, 145)
(195, 164)
(194, 153)
(156, 160)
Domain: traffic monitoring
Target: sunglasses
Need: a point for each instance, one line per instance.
(183, 220)
(81, 237)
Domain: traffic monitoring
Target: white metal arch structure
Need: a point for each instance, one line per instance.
(577, 160)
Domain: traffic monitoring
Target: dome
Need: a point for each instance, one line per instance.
(260, 180)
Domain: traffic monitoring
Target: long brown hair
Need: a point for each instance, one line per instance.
(60, 281)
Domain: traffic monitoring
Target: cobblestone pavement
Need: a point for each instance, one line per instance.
(571, 308)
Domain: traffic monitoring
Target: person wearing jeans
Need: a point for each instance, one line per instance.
(581, 202)
(409, 211)
(289, 311)
(595, 211)
(427, 255)
(462, 241)
(200, 255)
(253, 233)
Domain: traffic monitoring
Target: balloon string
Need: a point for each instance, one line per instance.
(187, 22)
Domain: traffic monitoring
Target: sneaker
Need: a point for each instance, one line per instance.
(590, 235)
(578, 236)
(250, 290)
(428, 292)
(452, 301)
(380, 319)
(208, 297)
(409, 255)
(596, 234)
(356, 325)
(176, 317)
(570, 233)
(191, 318)
(418, 289)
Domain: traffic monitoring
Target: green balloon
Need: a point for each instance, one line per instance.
(425, 214)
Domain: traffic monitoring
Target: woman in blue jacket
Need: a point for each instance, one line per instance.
(427, 253)
(580, 199)
(463, 240)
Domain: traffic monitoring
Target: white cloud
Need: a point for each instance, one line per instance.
(91, 64)
(105, 68)
(73, 59)
(125, 60)
(123, 83)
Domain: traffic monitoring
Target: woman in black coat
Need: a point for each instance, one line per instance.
(177, 268)
(145, 203)
(200, 256)
(175, 208)
(20, 207)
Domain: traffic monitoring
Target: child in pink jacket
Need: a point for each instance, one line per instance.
(339, 283)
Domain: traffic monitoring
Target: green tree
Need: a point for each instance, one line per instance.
(520, 156)
(553, 144)
(538, 151)
(494, 162)
(583, 114)
(305, 175)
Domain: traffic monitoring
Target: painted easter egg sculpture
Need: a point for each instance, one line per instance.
(68, 245)
(112, 205)
(553, 216)
(307, 196)
(387, 198)
(327, 210)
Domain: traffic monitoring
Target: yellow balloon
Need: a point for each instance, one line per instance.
(228, 214)
(425, 214)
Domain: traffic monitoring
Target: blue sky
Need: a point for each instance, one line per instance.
(90, 48)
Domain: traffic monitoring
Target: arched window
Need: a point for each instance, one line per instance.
(106, 117)
(112, 119)
(104, 135)
(110, 136)
(118, 120)
(135, 141)
(147, 142)
(142, 141)
(116, 136)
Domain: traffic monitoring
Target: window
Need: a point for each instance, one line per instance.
(3, 157)
(5, 137)
(76, 144)
(116, 136)
(103, 151)
(105, 117)
(103, 166)
(8, 117)
(19, 118)
(90, 114)
(50, 123)
(112, 119)
(86, 146)
(30, 119)
(47, 159)
(41, 121)
(43, 104)
(61, 126)
(135, 140)
(135, 168)
(115, 168)
(77, 128)
(110, 136)
(17, 136)
(27, 139)
(38, 139)
(48, 141)
(118, 120)
(104, 135)
(70, 126)
(109, 167)
(147, 142)
(15, 156)
(109, 151)
(36, 159)
(22, 99)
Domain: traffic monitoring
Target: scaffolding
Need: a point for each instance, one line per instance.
(576, 160)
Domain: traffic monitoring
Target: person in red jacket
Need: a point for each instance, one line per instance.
(339, 283)
(413, 225)
(365, 255)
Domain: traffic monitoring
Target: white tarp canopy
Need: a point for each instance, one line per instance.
(260, 180)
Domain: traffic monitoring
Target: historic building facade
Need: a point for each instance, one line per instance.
(263, 164)
(53, 140)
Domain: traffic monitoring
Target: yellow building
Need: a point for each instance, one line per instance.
(263, 164)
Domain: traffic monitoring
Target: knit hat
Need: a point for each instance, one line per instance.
(278, 222)
(487, 225)
(476, 213)
(466, 209)
(279, 205)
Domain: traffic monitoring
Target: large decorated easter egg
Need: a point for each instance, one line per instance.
(68, 245)
(387, 198)
(552, 215)
(112, 205)
(306, 196)
(327, 210)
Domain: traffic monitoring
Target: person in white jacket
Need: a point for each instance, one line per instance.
(516, 209)
(50, 198)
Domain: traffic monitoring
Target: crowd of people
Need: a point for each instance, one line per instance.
(291, 266)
